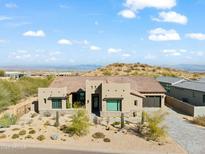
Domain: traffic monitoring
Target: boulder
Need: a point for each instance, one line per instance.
(55, 136)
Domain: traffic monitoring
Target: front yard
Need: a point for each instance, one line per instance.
(34, 128)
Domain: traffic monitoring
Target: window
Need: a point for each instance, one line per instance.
(204, 99)
(56, 104)
(136, 102)
(45, 100)
(113, 105)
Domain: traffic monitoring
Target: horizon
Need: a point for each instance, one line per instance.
(101, 32)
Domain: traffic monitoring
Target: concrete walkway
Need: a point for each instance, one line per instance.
(191, 137)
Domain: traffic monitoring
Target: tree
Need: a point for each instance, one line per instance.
(2, 73)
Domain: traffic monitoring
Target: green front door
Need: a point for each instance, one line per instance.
(113, 105)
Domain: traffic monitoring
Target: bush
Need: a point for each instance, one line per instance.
(68, 104)
(8, 120)
(15, 136)
(106, 140)
(98, 135)
(115, 123)
(32, 131)
(28, 137)
(153, 129)
(41, 137)
(22, 132)
(79, 124)
(200, 120)
(2, 73)
(47, 114)
(77, 105)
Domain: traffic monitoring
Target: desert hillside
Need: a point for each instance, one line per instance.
(121, 69)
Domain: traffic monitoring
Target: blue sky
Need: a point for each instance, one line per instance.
(70, 32)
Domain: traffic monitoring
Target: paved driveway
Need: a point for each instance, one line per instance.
(189, 136)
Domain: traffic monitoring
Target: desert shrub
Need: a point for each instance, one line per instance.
(41, 137)
(115, 123)
(106, 140)
(153, 126)
(79, 124)
(200, 120)
(107, 72)
(98, 135)
(33, 115)
(8, 120)
(2, 73)
(77, 105)
(22, 132)
(47, 123)
(12, 91)
(15, 136)
(68, 104)
(16, 129)
(28, 137)
(47, 114)
(32, 131)
(2, 136)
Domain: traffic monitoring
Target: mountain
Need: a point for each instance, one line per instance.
(190, 67)
(122, 69)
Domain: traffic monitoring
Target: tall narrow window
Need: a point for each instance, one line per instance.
(204, 99)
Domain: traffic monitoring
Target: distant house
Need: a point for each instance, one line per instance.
(15, 75)
(102, 96)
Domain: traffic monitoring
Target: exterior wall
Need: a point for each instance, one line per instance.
(115, 90)
(185, 107)
(48, 93)
(92, 87)
(193, 97)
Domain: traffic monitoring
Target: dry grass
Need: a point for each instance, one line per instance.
(200, 120)
(121, 69)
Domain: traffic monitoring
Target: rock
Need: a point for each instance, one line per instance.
(55, 136)
(2, 130)
(108, 128)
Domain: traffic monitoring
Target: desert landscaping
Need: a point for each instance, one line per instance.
(33, 128)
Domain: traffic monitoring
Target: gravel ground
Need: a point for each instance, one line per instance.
(191, 137)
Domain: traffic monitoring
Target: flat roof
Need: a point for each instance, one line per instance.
(168, 79)
(191, 85)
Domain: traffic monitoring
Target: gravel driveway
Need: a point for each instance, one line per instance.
(190, 137)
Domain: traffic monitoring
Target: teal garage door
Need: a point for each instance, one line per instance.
(113, 105)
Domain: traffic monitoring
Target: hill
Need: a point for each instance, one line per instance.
(122, 69)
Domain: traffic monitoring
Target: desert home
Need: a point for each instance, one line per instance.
(189, 95)
(102, 95)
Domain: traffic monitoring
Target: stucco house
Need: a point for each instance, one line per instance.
(102, 96)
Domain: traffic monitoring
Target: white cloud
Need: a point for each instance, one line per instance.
(197, 36)
(171, 16)
(20, 55)
(158, 4)
(11, 5)
(160, 34)
(113, 50)
(38, 33)
(134, 6)
(127, 14)
(64, 42)
(96, 23)
(173, 52)
(2, 18)
(63, 6)
(126, 55)
(94, 48)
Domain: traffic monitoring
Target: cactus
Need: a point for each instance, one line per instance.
(57, 119)
(122, 120)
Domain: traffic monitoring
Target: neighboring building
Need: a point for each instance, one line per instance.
(102, 95)
(192, 92)
(15, 75)
(167, 82)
